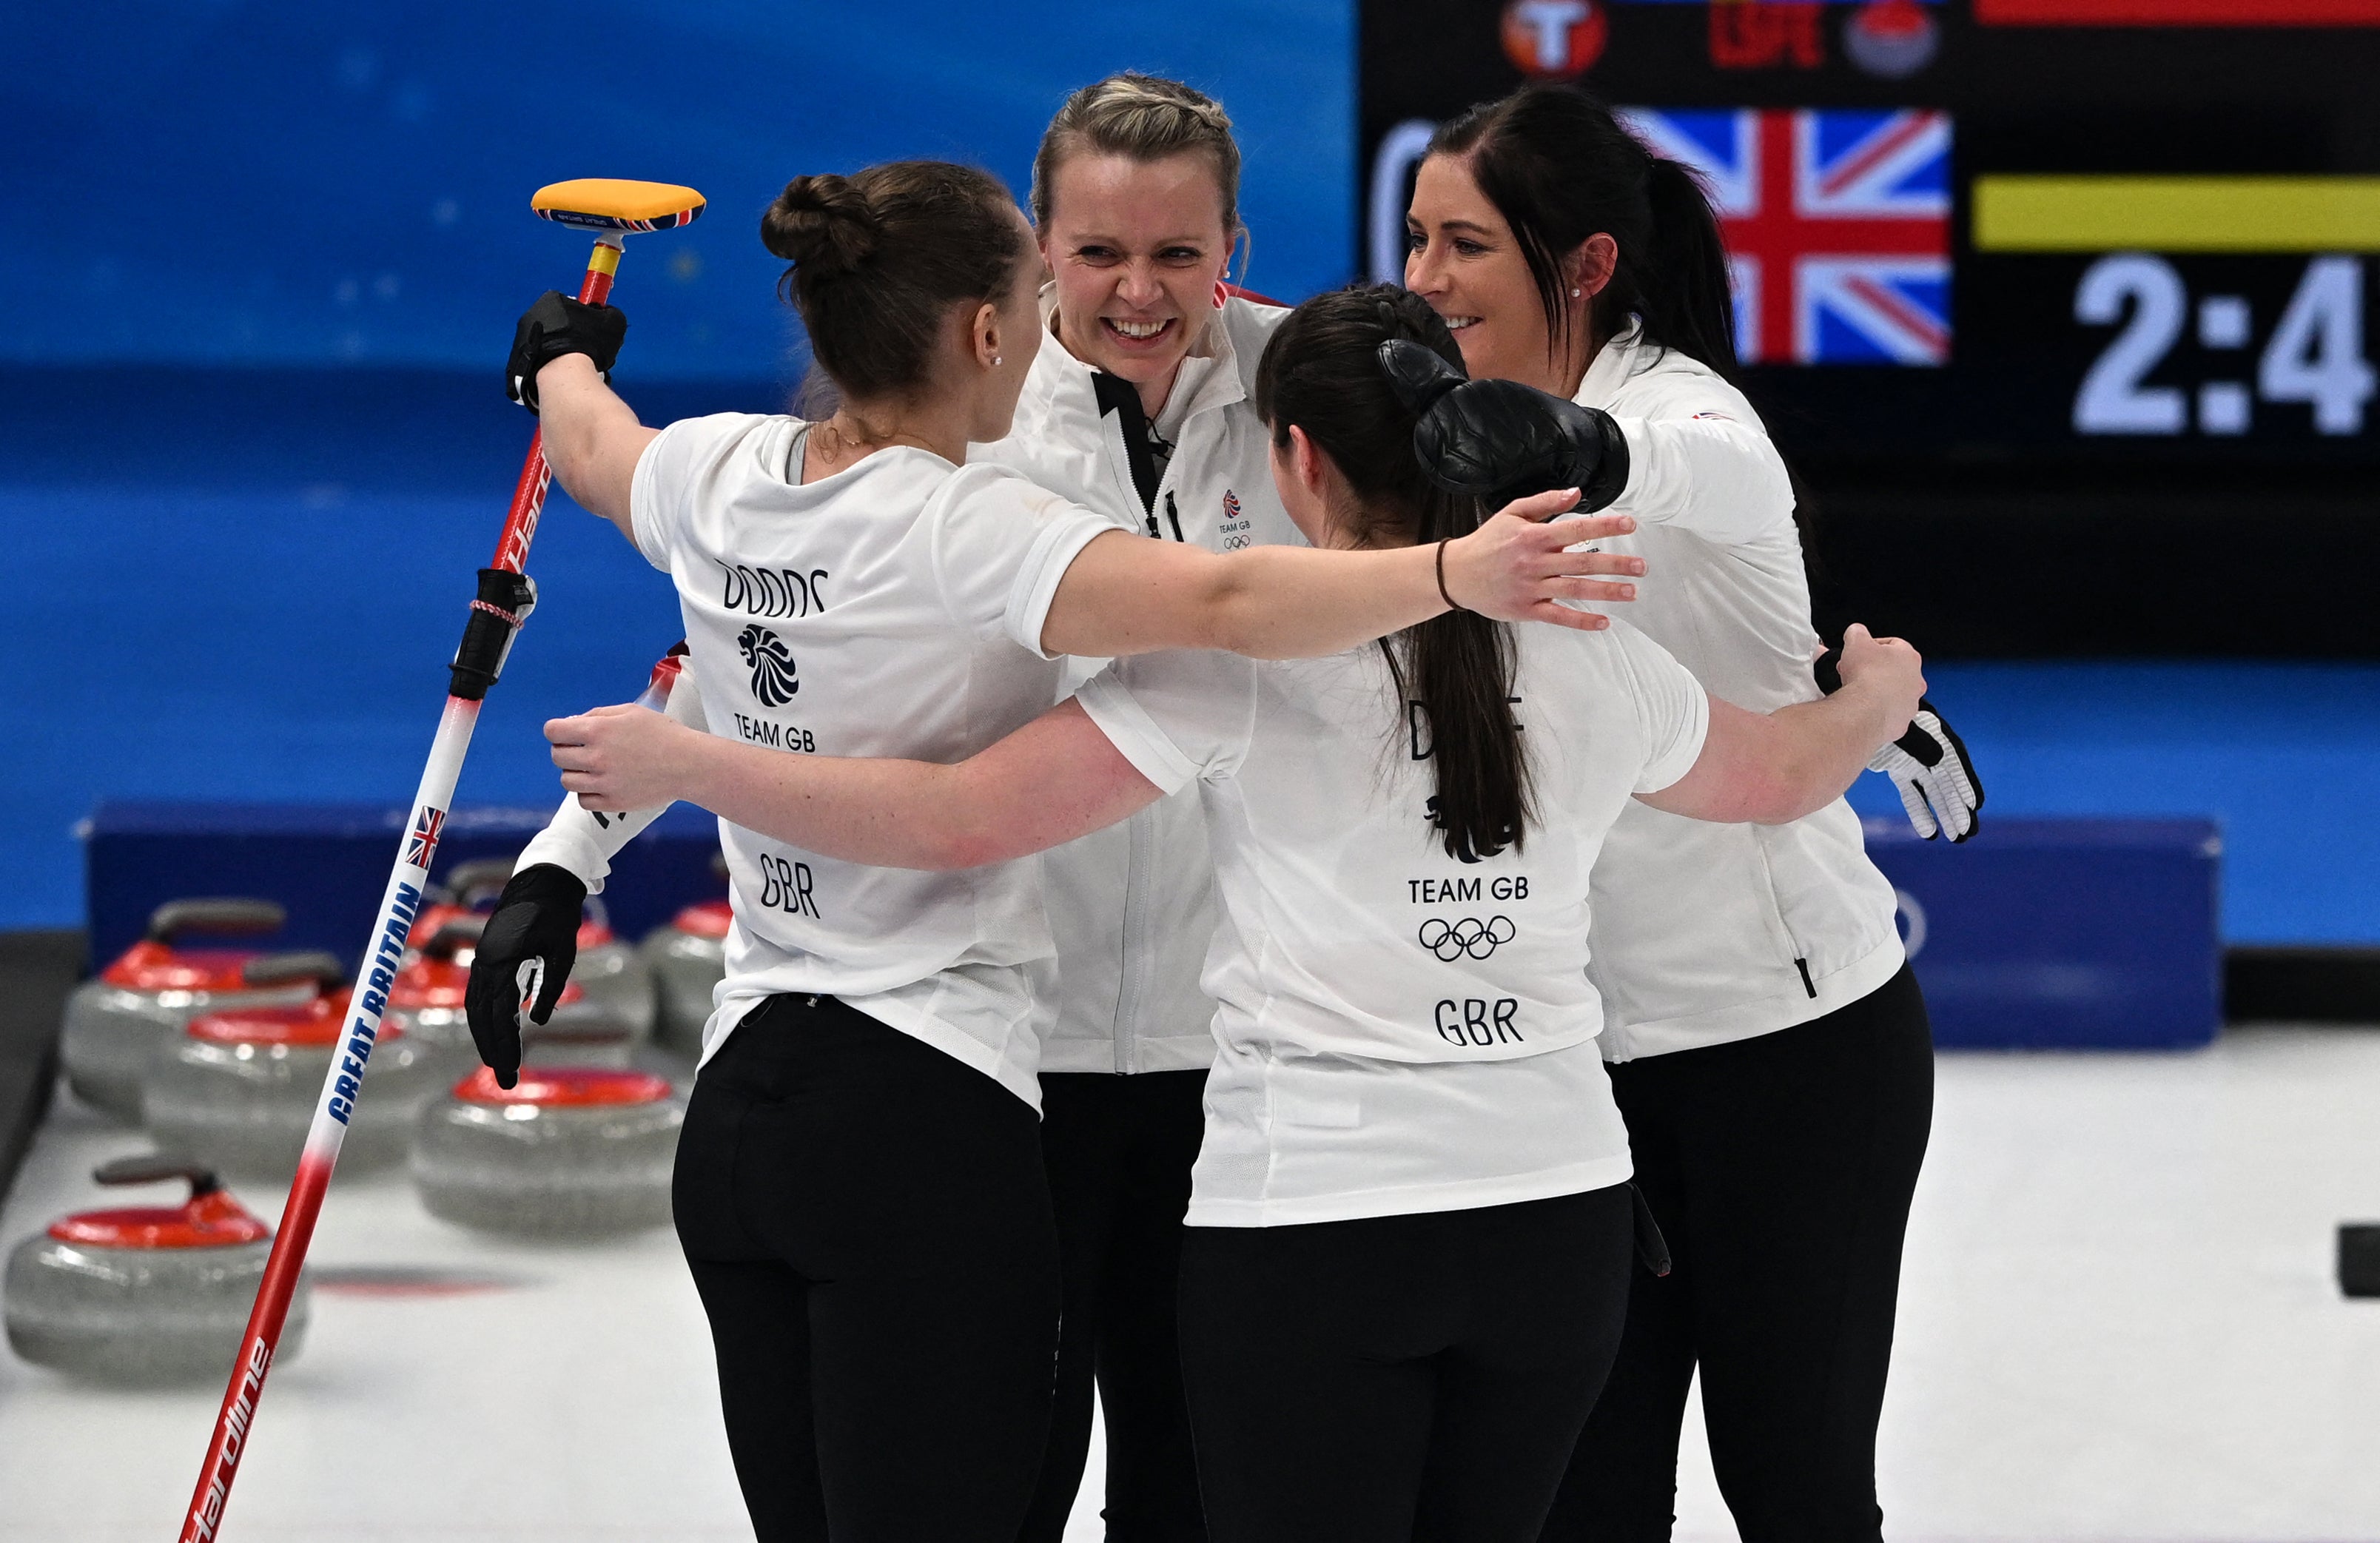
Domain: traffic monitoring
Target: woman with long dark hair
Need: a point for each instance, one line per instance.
(859, 1188)
(1770, 1047)
(1408, 1228)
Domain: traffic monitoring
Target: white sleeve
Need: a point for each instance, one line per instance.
(1699, 459)
(662, 491)
(1177, 716)
(1000, 544)
(581, 841)
(1671, 704)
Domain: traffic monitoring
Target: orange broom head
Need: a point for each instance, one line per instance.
(608, 204)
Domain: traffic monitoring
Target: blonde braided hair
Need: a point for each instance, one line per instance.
(1143, 117)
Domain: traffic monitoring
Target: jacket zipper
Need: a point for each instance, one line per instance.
(1133, 971)
(1172, 516)
(1777, 908)
(1111, 431)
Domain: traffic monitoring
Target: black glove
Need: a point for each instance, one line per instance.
(1929, 766)
(1500, 440)
(528, 945)
(558, 325)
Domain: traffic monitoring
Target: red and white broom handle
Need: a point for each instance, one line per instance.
(504, 599)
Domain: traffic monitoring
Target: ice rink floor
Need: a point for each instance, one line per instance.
(2118, 1322)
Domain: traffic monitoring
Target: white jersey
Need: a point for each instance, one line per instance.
(1132, 906)
(1709, 933)
(893, 608)
(1400, 1031)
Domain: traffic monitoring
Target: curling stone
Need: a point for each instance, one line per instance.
(427, 1002)
(612, 976)
(239, 1091)
(147, 1296)
(116, 1025)
(570, 1151)
(688, 958)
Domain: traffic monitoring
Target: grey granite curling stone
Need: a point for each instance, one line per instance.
(615, 980)
(144, 1297)
(569, 1152)
(688, 958)
(115, 1023)
(239, 1091)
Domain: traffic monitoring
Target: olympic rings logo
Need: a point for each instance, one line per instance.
(1451, 940)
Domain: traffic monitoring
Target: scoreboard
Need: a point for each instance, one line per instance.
(2036, 235)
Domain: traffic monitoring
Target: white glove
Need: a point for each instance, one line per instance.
(1929, 766)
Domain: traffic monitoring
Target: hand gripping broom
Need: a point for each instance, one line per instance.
(613, 210)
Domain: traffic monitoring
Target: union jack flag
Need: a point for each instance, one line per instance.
(1838, 226)
(423, 843)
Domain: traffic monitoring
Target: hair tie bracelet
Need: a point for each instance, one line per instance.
(1449, 599)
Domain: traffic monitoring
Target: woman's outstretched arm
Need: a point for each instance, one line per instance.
(1774, 769)
(1124, 595)
(1055, 778)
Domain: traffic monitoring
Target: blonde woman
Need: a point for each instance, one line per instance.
(1138, 405)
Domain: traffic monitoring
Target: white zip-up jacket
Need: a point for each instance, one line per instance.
(1132, 907)
(1705, 933)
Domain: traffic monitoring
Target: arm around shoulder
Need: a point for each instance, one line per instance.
(1056, 778)
(1124, 594)
(1776, 769)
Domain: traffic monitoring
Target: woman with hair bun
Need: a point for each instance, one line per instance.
(1769, 1046)
(1410, 1225)
(859, 1188)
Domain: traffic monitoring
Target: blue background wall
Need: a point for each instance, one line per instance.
(262, 269)
(348, 183)
(263, 261)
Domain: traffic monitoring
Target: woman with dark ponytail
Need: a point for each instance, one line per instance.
(860, 1191)
(1409, 1232)
(1769, 1045)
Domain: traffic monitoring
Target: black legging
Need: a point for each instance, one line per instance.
(1780, 1168)
(1400, 1378)
(869, 1226)
(1119, 1150)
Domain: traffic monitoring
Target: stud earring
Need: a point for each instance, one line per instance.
(1573, 294)
(995, 361)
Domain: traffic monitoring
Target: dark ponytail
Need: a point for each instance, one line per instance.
(1321, 372)
(1560, 167)
(880, 257)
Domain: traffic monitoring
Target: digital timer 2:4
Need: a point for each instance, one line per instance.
(2233, 230)
(2313, 354)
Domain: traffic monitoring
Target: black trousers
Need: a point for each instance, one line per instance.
(1400, 1378)
(869, 1229)
(1118, 1151)
(1780, 1168)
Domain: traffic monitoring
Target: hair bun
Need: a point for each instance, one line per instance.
(823, 224)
